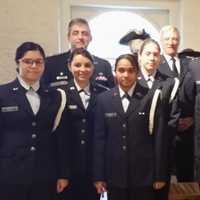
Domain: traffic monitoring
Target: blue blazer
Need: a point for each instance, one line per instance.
(80, 128)
(125, 154)
(29, 150)
(57, 72)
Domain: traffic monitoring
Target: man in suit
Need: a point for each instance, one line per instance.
(130, 150)
(79, 36)
(172, 66)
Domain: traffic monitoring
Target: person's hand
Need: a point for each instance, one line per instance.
(100, 186)
(62, 184)
(185, 123)
(158, 185)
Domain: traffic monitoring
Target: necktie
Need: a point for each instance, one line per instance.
(84, 97)
(125, 101)
(33, 99)
(149, 83)
(174, 68)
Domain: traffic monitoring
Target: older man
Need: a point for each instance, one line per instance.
(173, 66)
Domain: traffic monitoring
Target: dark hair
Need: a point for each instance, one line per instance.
(28, 46)
(132, 58)
(147, 41)
(80, 51)
(77, 21)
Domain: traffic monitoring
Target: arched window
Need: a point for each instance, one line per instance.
(109, 27)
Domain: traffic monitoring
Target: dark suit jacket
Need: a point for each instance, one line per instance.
(186, 86)
(125, 154)
(80, 128)
(29, 151)
(57, 73)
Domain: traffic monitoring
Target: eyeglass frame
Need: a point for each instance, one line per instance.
(31, 62)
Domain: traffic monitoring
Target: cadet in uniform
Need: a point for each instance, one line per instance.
(32, 163)
(81, 99)
(130, 142)
(57, 72)
(150, 77)
(134, 39)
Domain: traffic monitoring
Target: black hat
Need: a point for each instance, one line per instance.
(133, 35)
(189, 53)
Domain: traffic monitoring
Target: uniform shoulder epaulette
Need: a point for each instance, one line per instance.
(102, 86)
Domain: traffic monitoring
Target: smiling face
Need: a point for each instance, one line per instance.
(125, 73)
(150, 57)
(170, 41)
(79, 36)
(31, 66)
(82, 69)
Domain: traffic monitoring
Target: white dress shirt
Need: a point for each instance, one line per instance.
(31, 94)
(84, 94)
(170, 63)
(126, 101)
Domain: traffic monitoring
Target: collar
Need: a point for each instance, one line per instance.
(86, 89)
(25, 85)
(168, 58)
(130, 91)
(146, 76)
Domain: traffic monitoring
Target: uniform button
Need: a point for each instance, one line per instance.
(82, 130)
(32, 148)
(83, 120)
(124, 137)
(33, 123)
(82, 141)
(34, 136)
(124, 125)
(124, 148)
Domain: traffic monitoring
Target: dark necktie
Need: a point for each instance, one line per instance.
(174, 68)
(125, 101)
(126, 95)
(85, 97)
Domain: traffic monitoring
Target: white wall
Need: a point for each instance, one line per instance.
(45, 21)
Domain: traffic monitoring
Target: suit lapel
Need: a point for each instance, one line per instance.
(142, 80)
(184, 69)
(93, 93)
(136, 99)
(44, 100)
(20, 97)
(75, 95)
(117, 103)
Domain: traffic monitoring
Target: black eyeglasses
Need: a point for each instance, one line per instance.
(30, 62)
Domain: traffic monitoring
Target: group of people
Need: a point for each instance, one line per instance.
(70, 129)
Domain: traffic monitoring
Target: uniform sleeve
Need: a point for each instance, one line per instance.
(186, 96)
(161, 144)
(99, 142)
(62, 140)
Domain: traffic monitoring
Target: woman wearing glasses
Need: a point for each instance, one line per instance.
(31, 162)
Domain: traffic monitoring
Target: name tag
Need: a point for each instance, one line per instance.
(61, 77)
(10, 109)
(72, 107)
(109, 115)
(58, 83)
(198, 82)
(141, 113)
